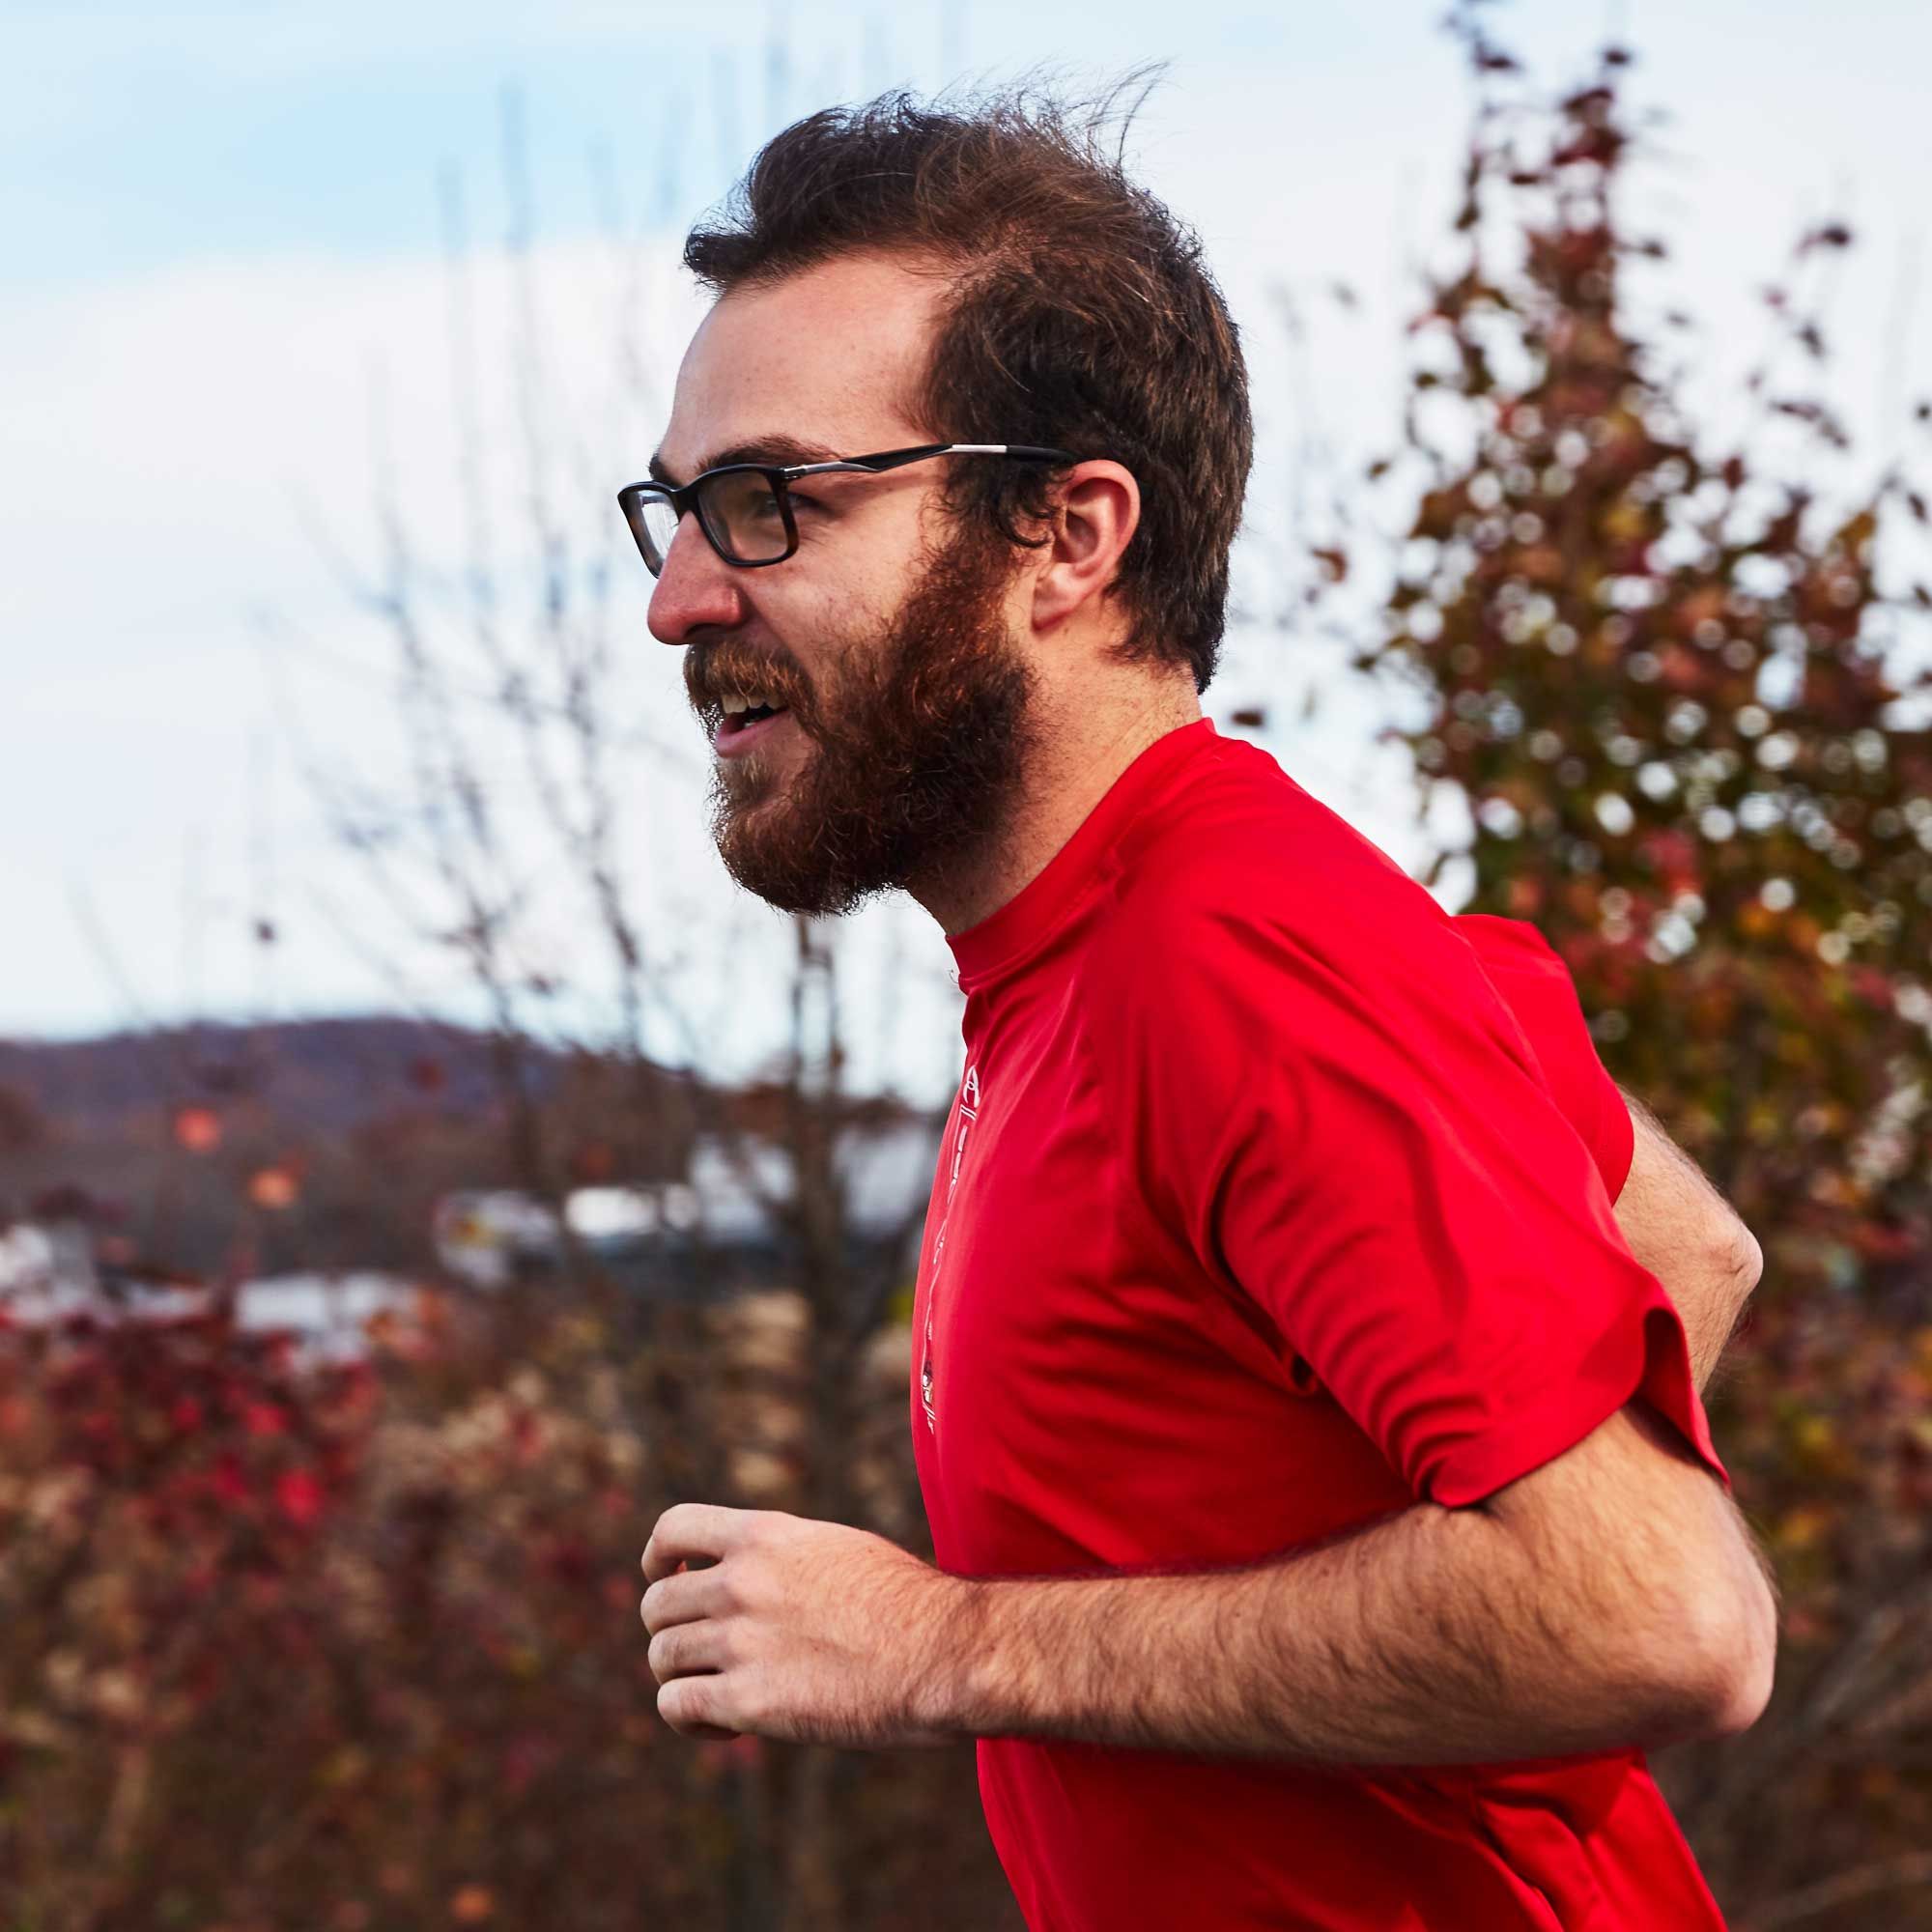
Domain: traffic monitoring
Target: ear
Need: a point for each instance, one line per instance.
(1098, 512)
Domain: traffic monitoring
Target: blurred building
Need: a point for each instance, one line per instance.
(726, 1227)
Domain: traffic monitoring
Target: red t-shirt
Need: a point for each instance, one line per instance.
(1255, 1221)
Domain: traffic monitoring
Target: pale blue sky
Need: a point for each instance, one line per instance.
(219, 238)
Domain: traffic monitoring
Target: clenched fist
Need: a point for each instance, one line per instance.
(810, 1631)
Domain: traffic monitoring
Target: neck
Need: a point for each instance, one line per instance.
(1079, 754)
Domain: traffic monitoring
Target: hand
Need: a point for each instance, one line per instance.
(810, 1631)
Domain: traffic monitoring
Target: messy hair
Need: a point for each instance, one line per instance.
(1080, 315)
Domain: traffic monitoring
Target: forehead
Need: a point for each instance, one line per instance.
(830, 356)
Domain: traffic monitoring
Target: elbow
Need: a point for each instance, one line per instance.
(1736, 1685)
(1720, 1674)
(1739, 1260)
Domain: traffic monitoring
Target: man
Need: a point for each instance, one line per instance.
(1310, 1462)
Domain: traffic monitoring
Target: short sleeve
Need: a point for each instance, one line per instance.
(1536, 987)
(1323, 1095)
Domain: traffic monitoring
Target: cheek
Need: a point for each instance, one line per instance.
(830, 620)
(866, 561)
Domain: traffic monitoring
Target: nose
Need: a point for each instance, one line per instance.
(697, 593)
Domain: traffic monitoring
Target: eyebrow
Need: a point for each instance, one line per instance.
(779, 452)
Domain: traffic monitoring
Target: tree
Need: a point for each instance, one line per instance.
(1666, 680)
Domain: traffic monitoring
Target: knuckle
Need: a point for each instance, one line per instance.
(681, 1705)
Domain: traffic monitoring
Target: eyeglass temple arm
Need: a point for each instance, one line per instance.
(890, 459)
(893, 459)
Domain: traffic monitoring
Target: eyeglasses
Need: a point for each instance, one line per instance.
(745, 509)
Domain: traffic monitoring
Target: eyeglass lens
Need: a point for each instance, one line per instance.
(740, 512)
(658, 520)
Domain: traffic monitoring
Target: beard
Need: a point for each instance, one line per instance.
(910, 763)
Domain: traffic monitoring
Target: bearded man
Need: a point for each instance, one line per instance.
(1325, 1517)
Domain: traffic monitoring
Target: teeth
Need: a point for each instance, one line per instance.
(734, 704)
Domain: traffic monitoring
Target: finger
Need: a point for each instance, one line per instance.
(692, 1530)
(685, 1650)
(691, 1706)
(683, 1599)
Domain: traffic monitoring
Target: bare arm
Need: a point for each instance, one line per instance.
(1609, 1599)
(1681, 1229)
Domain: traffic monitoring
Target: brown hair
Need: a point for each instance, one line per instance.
(1082, 316)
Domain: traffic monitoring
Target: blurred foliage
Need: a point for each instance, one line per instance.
(358, 1646)
(1671, 683)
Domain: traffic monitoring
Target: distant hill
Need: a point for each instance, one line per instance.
(327, 1075)
(326, 1144)
(319, 1143)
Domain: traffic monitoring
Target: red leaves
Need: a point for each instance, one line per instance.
(204, 1426)
(300, 1496)
(320, 1668)
(472, 1904)
(274, 1188)
(228, 1480)
(197, 1130)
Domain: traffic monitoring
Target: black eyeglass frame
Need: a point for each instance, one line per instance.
(685, 498)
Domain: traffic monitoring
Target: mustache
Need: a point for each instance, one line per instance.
(710, 672)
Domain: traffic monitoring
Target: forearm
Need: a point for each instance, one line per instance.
(1681, 1229)
(1434, 1636)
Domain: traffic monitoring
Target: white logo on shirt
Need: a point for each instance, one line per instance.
(969, 1112)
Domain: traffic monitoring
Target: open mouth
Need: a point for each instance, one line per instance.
(742, 729)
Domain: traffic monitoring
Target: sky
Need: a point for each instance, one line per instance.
(255, 262)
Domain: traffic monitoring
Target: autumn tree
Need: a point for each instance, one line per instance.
(1666, 677)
